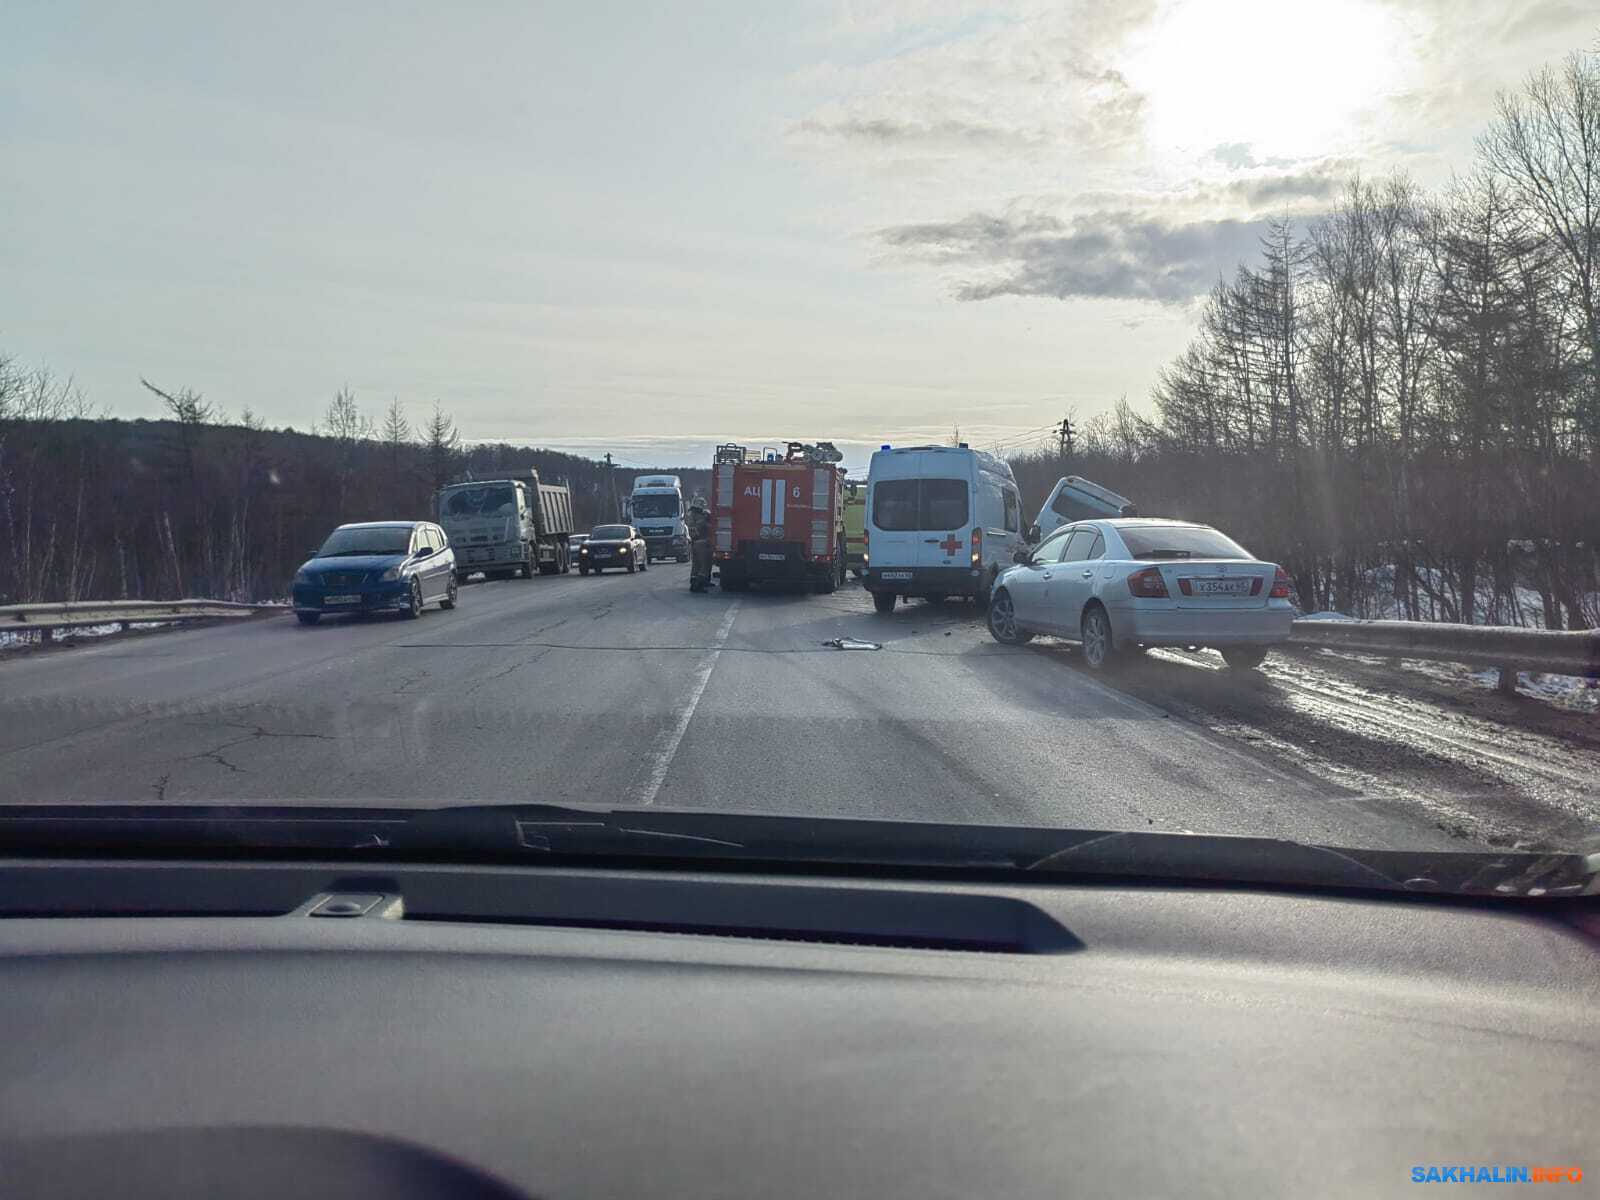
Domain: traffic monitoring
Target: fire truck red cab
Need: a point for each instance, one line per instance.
(778, 519)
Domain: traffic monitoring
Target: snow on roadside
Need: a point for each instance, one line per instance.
(1572, 692)
(10, 639)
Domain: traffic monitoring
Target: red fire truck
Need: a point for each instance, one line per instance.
(778, 519)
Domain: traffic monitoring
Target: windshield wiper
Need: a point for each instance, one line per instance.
(635, 837)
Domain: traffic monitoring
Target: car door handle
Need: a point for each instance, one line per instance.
(1047, 574)
(931, 541)
(1088, 574)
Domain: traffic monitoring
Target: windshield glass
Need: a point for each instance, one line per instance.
(383, 540)
(883, 298)
(1179, 541)
(494, 500)
(655, 506)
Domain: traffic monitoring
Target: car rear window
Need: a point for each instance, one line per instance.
(1180, 541)
(920, 504)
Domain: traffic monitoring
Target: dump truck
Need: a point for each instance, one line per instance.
(509, 526)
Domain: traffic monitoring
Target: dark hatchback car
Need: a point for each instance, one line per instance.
(379, 566)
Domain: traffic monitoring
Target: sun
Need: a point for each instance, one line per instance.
(1289, 79)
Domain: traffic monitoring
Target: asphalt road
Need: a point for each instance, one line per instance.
(627, 690)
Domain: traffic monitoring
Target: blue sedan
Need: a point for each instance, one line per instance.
(380, 566)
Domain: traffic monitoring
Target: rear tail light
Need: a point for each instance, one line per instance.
(1148, 584)
(1280, 585)
(977, 545)
(865, 557)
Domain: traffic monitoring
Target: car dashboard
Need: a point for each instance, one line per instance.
(310, 1028)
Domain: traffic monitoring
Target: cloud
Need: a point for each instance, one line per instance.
(1237, 194)
(1041, 76)
(1127, 255)
(890, 131)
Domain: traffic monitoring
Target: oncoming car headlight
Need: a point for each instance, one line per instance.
(302, 576)
(390, 575)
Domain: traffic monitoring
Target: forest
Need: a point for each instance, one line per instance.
(1400, 401)
(97, 508)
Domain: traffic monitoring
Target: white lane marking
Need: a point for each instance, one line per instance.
(666, 747)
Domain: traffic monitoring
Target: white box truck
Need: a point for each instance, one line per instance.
(655, 509)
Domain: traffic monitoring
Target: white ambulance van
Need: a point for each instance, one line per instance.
(940, 521)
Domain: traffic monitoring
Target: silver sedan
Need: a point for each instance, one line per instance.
(1115, 584)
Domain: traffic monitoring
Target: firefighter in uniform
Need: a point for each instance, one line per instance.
(699, 545)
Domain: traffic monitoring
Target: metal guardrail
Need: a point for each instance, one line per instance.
(1547, 651)
(48, 619)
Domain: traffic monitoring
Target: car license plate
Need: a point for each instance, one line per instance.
(894, 574)
(341, 599)
(771, 557)
(1220, 587)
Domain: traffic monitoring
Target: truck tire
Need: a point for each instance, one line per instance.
(883, 601)
(308, 618)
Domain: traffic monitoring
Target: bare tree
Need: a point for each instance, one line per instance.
(1545, 143)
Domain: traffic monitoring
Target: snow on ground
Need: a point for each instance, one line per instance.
(1385, 606)
(10, 639)
(1573, 692)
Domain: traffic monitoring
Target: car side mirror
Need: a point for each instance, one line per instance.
(423, 552)
(1033, 533)
(1022, 556)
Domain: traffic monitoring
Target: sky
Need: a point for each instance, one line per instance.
(651, 228)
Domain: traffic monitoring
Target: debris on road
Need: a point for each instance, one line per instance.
(850, 643)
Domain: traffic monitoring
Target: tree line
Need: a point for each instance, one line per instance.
(198, 505)
(1400, 402)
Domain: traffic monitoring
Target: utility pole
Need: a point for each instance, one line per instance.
(1064, 438)
(611, 484)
